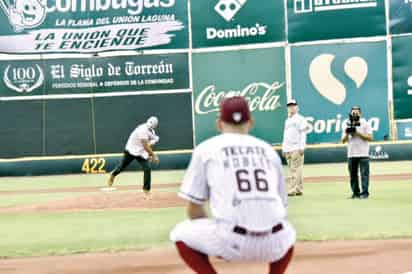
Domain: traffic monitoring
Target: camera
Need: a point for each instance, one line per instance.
(354, 121)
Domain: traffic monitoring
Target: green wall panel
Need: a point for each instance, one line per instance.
(400, 16)
(69, 127)
(402, 77)
(21, 128)
(117, 117)
(310, 20)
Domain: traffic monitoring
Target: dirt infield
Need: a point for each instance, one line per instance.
(85, 189)
(340, 257)
(101, 201)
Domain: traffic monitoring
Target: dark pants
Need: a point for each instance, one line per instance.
(127, 159)
(354, 164)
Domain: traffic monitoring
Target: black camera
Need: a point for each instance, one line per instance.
(354, 121)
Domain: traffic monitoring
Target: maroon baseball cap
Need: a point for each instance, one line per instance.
(234, 110)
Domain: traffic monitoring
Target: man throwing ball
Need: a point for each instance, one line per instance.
(139, 148)
(241, 177)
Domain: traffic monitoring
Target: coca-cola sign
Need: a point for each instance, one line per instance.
(260, 96)
(256, 74)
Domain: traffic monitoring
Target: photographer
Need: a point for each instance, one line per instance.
(358, 134)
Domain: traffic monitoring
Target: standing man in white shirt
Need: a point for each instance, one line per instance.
(242, 178)
(139, 148)
(293, 147)
(358, 133)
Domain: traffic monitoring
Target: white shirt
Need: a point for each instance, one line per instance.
(294, 134)
(135, 142)
(242, 177)
(357, 147)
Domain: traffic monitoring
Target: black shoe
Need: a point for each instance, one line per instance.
(299, 193)
(364, 196)
(355, 196)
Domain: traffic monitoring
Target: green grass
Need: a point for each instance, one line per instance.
(65, 233)
(323, 213)
(339, 169)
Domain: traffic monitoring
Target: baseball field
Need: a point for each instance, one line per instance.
(66, 224)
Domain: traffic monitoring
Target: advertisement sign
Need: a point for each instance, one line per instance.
(402, 77)
(404, 129)
(37, 26)
(234, 22)
(258, 75)
(94, 75)
(400, 16)
(324, 19)
(327, 80)
(379, 152)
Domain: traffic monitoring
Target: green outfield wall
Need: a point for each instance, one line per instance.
(172, 160)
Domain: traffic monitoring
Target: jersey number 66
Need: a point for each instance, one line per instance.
(244, 183)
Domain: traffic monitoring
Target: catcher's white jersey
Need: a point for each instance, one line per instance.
(241, 177)
(142, 133)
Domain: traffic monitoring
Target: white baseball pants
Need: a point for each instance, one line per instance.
(216, 238)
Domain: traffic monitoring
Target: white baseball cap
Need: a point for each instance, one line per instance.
(152, 122)
(292, 102)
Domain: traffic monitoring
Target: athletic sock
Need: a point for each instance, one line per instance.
(197, 261)
(279, 267)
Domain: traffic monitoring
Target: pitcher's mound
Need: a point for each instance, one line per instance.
(103, 201)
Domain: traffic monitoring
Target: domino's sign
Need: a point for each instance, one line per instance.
(232, 22)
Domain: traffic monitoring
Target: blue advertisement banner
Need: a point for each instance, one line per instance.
(327, 80)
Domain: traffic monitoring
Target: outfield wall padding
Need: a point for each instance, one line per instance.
(180, 160)
(83, 126)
